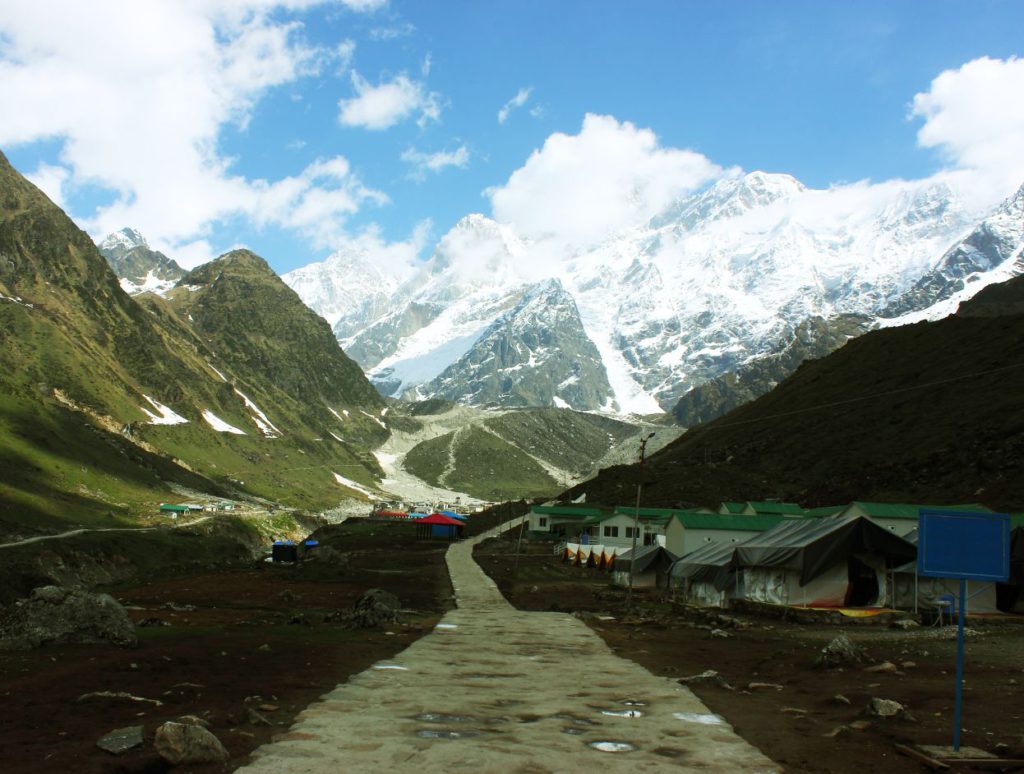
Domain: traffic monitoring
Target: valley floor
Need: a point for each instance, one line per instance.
(795, 718)
(219, 645)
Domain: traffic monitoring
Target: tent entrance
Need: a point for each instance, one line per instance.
(863, 589)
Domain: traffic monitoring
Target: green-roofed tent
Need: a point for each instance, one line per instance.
(171, 508)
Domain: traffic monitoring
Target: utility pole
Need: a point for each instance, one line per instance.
(636, 518)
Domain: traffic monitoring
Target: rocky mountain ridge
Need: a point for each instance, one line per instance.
(718, 283)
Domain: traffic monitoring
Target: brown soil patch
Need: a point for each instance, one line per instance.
(800, 725)
(235, 640)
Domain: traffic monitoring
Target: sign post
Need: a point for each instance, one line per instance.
(964, 545)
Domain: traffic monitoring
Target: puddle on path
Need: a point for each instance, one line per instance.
(574, 731)
(438, 717)
(705, 719)
(612, 747)
(627, 713)
(391, 666)
(633, 703)
(437, 733)
(444, 626)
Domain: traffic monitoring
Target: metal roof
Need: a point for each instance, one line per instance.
(727, 521)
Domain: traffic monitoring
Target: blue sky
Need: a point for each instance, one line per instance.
(300, 127)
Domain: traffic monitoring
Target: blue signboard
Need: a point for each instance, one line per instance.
(963, 544)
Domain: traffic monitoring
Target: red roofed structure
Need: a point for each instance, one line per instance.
(438, 525)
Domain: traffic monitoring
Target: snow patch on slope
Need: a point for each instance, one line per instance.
(219, 424)
(166, 416)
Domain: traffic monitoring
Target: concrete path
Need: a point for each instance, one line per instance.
(493, 689)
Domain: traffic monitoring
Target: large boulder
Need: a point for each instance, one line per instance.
(188, 743)
(61, 615)
(375, 608)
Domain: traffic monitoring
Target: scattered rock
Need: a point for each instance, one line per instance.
(720, 634)
(374, 609)
(908, 664)
(886, 708)
(840, 699)
(709, 674)
(193, 720)
(860, 725)
(178, 608)
(264, 648)
(53, 614)
(268, 707)
(255, 717)
(111, 698)
(839, 652)
(184, 743)
(885, 666)
(763, 686)
(121, 740)
(905, 623)
(793, 711)
(840, 730)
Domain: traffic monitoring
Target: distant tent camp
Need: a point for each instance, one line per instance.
(650, 567)
(436, 525)
(831, 562)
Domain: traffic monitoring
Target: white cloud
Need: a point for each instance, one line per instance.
(579, 188)
(516, 102)
(345, 52)
(974, 116)
(388, 103)
(51, 180)
(400, 30)
(137, 95)
(435, 162)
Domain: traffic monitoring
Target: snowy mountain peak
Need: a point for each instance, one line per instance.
(125, 240)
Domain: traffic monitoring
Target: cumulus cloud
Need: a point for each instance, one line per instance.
(974, 117)
(424, 163)
(612, 175)
(149, 132)
(51, 179)
(388, 103)
(516, 102)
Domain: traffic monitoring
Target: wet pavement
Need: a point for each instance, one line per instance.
(494, 689)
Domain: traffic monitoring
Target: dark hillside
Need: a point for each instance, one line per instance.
(931, 412)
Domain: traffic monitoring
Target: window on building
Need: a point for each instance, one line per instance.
(542, 521)
(650, 539)
(629, 532)
(612, 531)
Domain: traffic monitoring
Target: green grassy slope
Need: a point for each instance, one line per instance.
(484, 466)
(78, 355)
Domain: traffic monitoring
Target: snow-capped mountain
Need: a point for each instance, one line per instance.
(139, 268)
(535, 354)
(345, 289)
(713, 283)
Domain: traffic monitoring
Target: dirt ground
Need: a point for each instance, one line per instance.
(218, 645)
(799, 720)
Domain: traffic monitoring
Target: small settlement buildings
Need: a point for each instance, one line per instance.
(590, 525)
(687, 531)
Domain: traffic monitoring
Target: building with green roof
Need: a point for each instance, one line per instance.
(687, 532)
